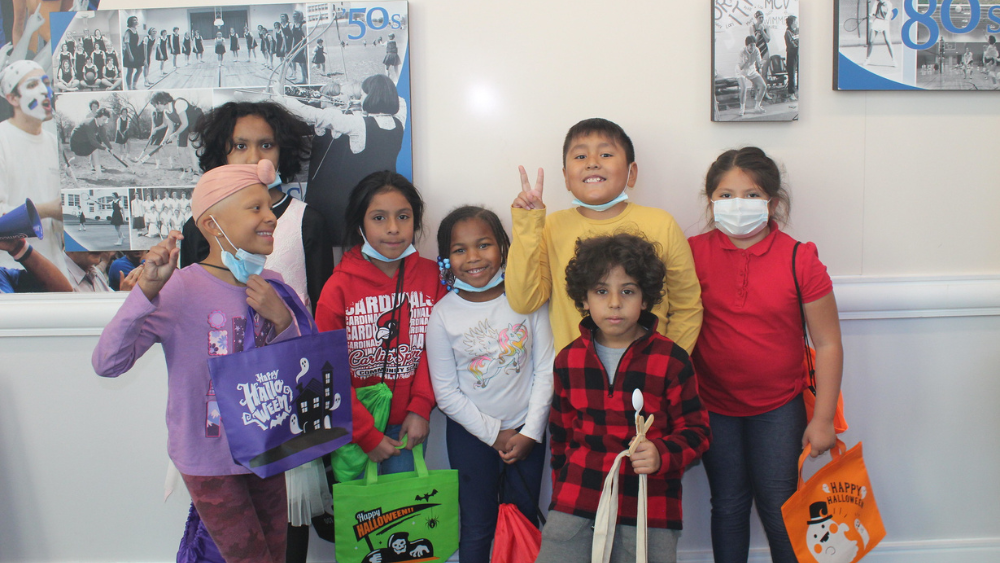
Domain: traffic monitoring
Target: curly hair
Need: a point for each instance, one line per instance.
(761, 169)
(161, 98)
(465, 213)
(213, 135)
(366, 190)
(596, 257)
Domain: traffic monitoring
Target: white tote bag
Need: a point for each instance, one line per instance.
(607, 508)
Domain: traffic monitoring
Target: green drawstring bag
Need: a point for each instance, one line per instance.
(349, 461)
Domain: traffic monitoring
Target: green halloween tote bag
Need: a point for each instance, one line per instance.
(405, 517)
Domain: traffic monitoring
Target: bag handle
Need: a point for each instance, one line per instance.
(802, 314)
(835, 453)
(607, 506)
(502, 486)
(301, 316)
(420, 466)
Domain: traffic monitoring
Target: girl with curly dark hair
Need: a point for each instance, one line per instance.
(246, 133)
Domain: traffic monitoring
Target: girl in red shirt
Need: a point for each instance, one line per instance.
(749, 356)
(382, 292)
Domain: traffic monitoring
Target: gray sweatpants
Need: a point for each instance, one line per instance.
(567, 539)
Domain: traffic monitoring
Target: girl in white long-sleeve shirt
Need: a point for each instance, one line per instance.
(492, 374)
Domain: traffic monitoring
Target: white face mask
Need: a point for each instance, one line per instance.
(32, 98)
(741, 218)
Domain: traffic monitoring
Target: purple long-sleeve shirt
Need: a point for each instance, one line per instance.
(195, 316)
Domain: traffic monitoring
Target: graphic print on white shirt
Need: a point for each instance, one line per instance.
(496, 351)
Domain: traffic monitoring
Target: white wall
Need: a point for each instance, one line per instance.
(82, 460)
(887, 184)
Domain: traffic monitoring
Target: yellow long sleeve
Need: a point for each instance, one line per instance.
(543, 246)
(527, 267)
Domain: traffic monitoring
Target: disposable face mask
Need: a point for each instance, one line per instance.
(243, 264)
(32, 98)
(740, 218)
(608, 205)
(497, 280)
(368, 250)
(276, 182)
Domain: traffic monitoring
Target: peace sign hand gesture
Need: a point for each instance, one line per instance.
(529, 198)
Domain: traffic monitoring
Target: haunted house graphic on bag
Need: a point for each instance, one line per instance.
(311, 422)
(314, 402)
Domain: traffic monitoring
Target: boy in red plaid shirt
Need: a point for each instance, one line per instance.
(615, 280)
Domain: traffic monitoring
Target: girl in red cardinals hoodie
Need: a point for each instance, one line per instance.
(382, 293)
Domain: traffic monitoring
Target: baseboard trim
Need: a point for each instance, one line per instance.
(858, 298)
(972, 550)
(867, 297)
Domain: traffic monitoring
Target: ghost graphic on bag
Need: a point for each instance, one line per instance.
(827, 540)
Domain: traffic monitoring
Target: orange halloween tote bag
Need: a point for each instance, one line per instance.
(833, 517)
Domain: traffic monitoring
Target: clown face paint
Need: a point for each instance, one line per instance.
(36, 97)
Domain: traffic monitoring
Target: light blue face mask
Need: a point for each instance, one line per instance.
(243, 264)
(368, 250)
(276, 182)
(497, 280)
(608, 205)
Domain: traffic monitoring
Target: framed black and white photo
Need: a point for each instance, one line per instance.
(755, 60)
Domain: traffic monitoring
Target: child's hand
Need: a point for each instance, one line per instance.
(646, 458)
(415, 428)
(500, 444)
(126, 283)
(529, 198)
(518, 448)
(385, 450)
(264, 299)
(821, 436)
(161, 261)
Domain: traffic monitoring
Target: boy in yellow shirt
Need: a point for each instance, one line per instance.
(598, 166)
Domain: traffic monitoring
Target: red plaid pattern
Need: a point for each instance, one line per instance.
(591, 423)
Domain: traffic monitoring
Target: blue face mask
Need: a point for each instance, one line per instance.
(276, 182)
(608, 205)
(243, 264)
(497, 280)
(368, 250)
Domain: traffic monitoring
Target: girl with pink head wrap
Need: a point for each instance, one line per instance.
(198, 312)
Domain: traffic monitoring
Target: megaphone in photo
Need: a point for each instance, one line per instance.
(21, 222)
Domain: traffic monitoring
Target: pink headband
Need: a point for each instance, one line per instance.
(219, 183)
